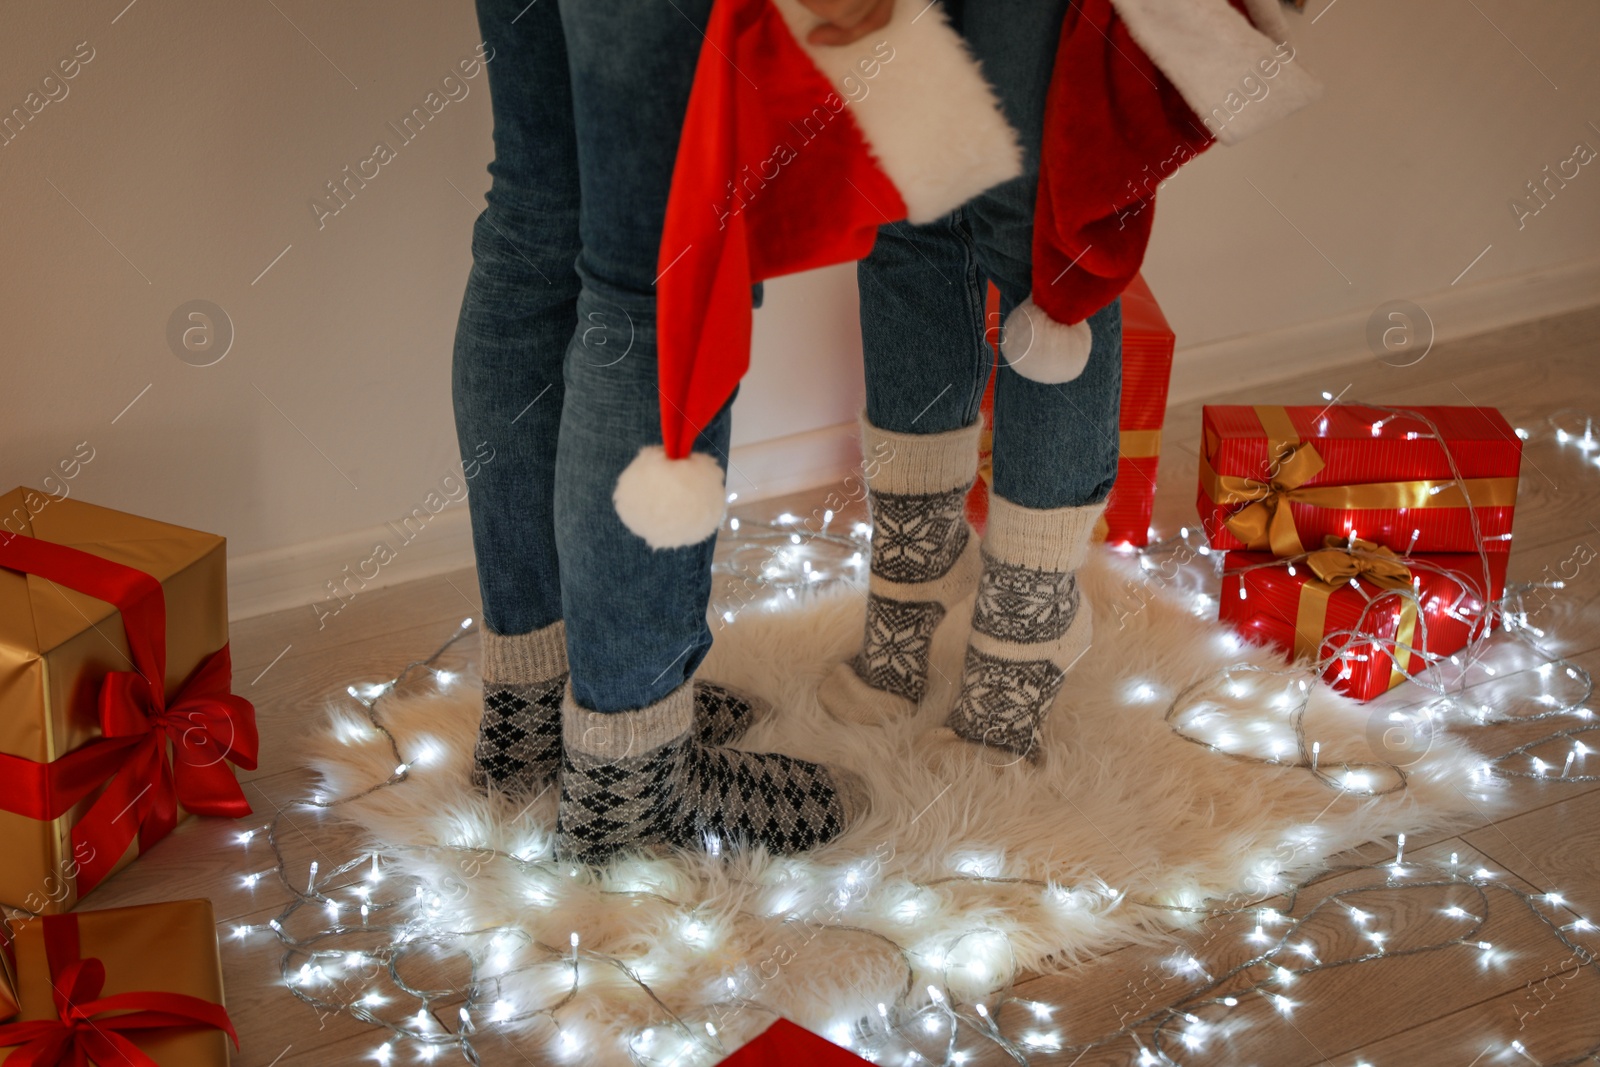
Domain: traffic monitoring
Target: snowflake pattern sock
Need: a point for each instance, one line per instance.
(925, 559)
(1029, 626)
(524, 677)
(638, 778)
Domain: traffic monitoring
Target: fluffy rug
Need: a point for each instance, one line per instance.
(1142, 807)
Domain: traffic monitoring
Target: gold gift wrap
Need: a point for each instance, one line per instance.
(56, 645)
(150, 948)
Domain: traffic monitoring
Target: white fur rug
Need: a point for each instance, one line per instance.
(959, 881)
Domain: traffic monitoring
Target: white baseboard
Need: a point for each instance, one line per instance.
(799, 461)
(295, 576)
(1205, 370)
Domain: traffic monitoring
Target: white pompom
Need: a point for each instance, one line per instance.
(1043, 350)
(670, 503)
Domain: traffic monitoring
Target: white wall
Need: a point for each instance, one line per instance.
(185, 154)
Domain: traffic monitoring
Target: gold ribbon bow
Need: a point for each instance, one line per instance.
(1336, 566)
(1266, 523)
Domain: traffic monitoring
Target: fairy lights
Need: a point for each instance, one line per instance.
(955, 1000)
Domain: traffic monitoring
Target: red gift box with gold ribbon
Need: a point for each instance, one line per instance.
(1147, 344)
(123, 987)
(116, 716)
(1373, 616)
(1280, 479)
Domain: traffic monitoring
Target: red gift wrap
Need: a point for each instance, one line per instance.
(783, 1044)
(124, 987)
(116, 716)
(1316, 605)
(1280, 479)
(1147, 343)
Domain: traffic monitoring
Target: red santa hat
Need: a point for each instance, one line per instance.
(792, 155)
(1139, 88)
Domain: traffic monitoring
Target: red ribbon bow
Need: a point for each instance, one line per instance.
(204, 725)
(82, 1033)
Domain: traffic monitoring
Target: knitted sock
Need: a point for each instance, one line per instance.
(924, 560)
(524, 677)
(519, 738)
(1029, 626)
(636, 778)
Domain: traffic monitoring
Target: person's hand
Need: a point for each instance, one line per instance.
(847, 20)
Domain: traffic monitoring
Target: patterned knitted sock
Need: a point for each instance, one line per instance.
(519, 738)
(637, 778)
(1029, 626)
(925, 558)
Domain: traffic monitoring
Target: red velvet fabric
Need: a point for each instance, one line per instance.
(1114, 129)
(772, 177)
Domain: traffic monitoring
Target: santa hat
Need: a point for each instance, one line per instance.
(1139, 88)
(792, 156)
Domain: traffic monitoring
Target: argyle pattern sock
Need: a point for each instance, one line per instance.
(925, 558)
(519, 737)
(637, 778)
(1029, 626)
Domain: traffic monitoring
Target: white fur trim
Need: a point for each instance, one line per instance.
(930, 119)
(1041, 349)
(1213, 56)
(670, 502)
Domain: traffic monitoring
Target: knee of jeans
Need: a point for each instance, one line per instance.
(613, 344)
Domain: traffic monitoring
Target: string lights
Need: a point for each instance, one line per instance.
(360, 937)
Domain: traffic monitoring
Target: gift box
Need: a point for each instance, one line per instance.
(124, 986)
(115, 713)
(1280, 479)
(1391, 615)
(1147, 343)
(783, 1043)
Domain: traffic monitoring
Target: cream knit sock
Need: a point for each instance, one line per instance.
(924, 560)
(1029, 626)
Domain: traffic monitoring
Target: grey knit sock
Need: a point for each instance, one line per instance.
(519, 738)
(524, 677)
(1029, 626)
(637, 778)
(924, 560)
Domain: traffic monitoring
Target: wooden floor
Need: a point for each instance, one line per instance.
(1459, 1006)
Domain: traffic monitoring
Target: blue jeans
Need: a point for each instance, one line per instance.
(922, 299)
(555, 356)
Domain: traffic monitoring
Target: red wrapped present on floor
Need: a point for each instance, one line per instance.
(125, 986)
(1280, 479)
(1373, 616)
(783, 1043)
(1147, 343)
(116, 711)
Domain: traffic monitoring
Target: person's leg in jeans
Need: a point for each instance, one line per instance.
(1055, 446)
(633, 772)
(516, 319)
(516, 322)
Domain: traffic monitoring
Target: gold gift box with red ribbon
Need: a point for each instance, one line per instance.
(116, 717)
(1371, 616)
(123, 987)
(1280, 479)
(1147, 346)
